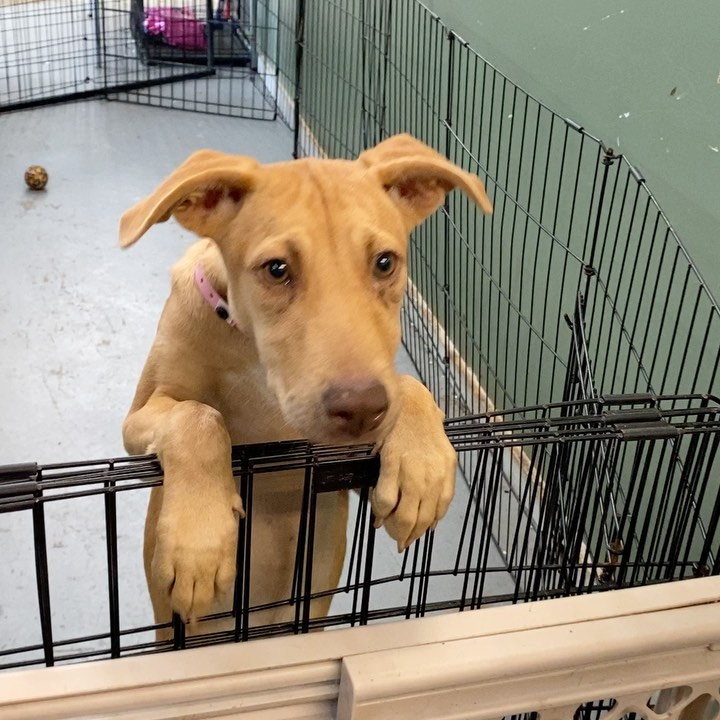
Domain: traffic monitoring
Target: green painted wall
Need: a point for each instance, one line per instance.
(644, 75)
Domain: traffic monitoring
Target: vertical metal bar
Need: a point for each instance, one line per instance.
(479, 479)
(254, 37)
(662, 523)
(428, 544)
(526, 502)
(521, 556)
(689, 481)
(645, 543)
(589, 269)
(103, 34)
(588, 565)
(386, 57)
(211, 27)
(98, 33)
(633, 549)
(300, 550)
(625, 263)
(518, 398)
(299, 50)
(364, 80)
(360, 538)
(112, 565)
(549, 516)
(42, 578)
(447, 280)
(649, 309)
(486, 540)
(239, 590)
(711, 531)
(693, 519)
(623, 544)
(178, 632)
(413, 577)
(309, 561)
(247, 547)
(369, 552)
(355, 548)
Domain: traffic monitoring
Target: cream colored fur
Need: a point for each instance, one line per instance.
(331, 323)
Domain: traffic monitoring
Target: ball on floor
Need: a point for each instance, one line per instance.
(36, 177)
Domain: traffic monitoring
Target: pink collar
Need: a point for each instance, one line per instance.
(212, 297)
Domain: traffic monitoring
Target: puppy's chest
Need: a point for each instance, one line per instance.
(251, 411)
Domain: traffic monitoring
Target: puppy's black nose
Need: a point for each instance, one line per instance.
(357, 406)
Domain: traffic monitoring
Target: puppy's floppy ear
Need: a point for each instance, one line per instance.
(203, 193)
(417, 178)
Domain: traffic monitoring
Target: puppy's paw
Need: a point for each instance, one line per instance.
(195, 555)
(417, 469)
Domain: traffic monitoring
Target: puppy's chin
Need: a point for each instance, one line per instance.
(338, 438)
(322, 433)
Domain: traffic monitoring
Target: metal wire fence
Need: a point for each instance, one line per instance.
(558, 530)
(221, 58)
(570, 332)
(574, 223)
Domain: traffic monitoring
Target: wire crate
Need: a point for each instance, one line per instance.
(141, 52)
(569, 334)
(563, 499)
(204, 35)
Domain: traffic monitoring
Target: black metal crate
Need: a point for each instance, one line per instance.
(230, 54)
(563, 499)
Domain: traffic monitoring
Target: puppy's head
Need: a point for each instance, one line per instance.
(315, 253)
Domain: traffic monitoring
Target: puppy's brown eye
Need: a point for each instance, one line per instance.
(385, 264)
(277, 270)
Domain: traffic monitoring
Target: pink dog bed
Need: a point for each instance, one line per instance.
(178, 27)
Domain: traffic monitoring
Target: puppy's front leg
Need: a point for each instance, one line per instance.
(192, 552)
(417, 468)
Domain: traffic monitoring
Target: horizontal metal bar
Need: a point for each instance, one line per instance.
(643, 415)
(629, 399)
(20, 471)
(104, 92)
(647, 431)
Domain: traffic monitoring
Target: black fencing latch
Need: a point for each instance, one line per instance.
(641, 424)
(18, 486)
(347, 475)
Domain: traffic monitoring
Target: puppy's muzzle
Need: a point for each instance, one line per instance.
(356, 407)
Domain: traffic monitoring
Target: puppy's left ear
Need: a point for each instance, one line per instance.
(417, 178)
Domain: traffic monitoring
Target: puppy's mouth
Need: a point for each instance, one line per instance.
(329, 431)
(339, 437)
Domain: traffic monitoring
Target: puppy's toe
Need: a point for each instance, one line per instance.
(203, 596)
(181, 593)
(225, 576)
(163, 573)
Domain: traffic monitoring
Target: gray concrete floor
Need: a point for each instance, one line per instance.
(77, 317)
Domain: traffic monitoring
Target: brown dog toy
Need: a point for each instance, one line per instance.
(36, 177)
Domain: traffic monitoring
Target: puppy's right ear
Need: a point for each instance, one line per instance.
(203, 194)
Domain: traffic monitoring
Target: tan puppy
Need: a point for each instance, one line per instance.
(312, 258)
